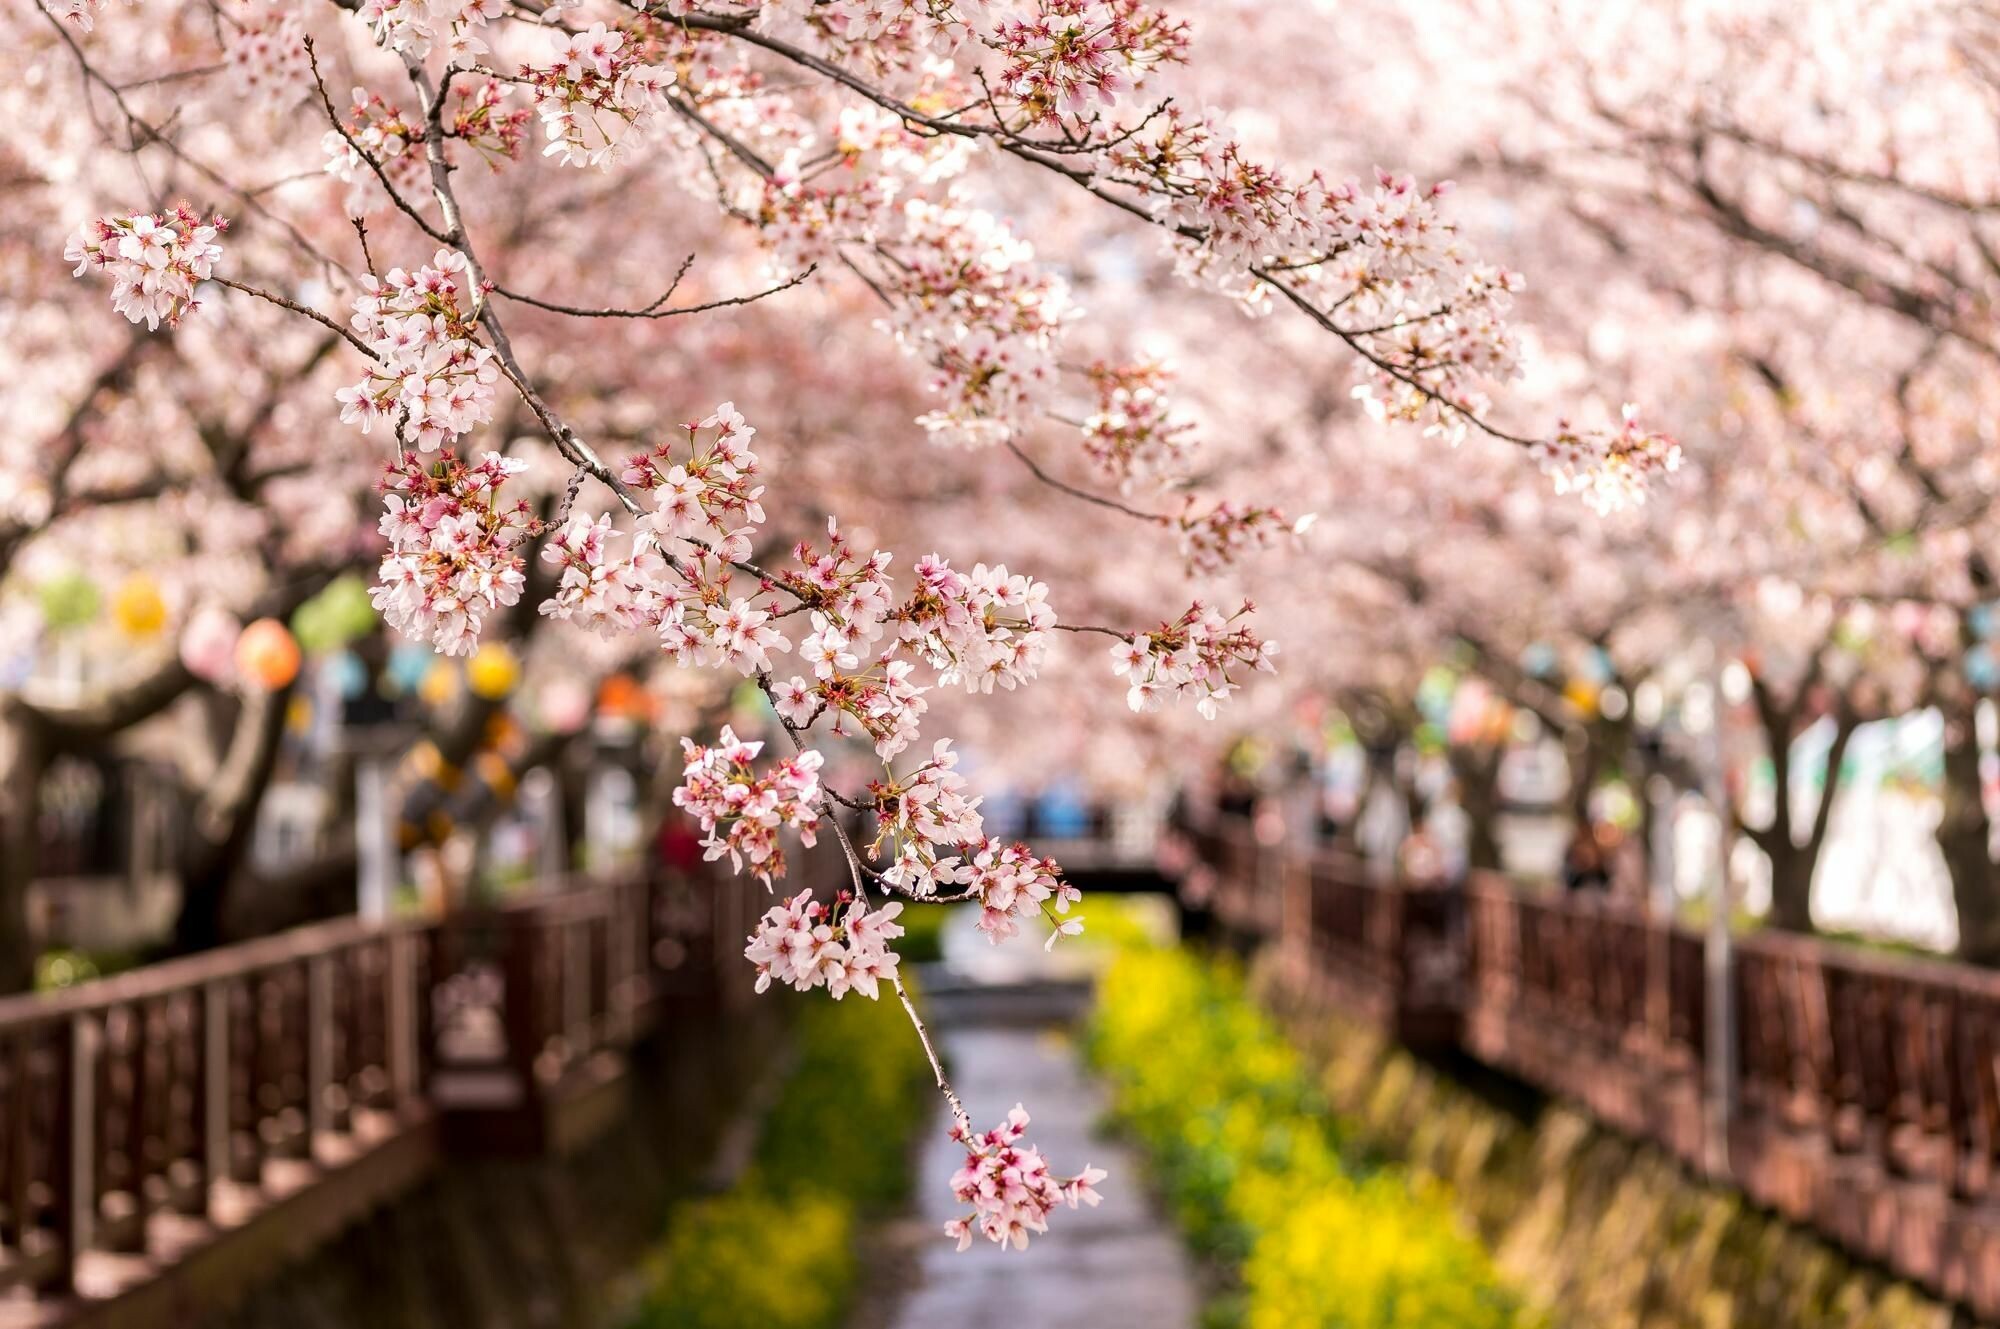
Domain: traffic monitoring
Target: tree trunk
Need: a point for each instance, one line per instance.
(224, 819)
(22, 755)
(1478, 773)
(1791, 881)
(1580, 750)
(1963, 835)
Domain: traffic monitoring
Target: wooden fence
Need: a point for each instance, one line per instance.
(1865, 1090)
(146, 1118)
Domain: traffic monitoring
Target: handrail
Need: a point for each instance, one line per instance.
(1869, 1084)
(190, 971)
(160, 1087)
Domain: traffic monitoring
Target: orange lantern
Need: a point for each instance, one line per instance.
(266, 655)
(621, 696)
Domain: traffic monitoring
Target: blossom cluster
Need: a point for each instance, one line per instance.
(808, 944)
(709, 499)
(1195, 655)
(267, 59)
(155, 260)
(981, 628)
(849, 598)
(430, 371)
(938, 848)
(1009, 882)
(1009, 1186)
(381, 132)
(454, 547)
(1609, 469)
(414, 27)
(741, 812)
(82, 13)
(598, 96)
(967, 296)
(1218, 536)
(1135, 435)
(924, 817)
(1068, 59)
(596, 590)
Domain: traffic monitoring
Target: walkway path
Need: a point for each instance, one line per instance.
(1118, 1266)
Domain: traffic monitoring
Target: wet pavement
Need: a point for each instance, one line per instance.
(1116, 1266)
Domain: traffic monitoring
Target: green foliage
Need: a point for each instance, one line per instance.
(752, 1260)
(777, 1250)
(1253, 1165)
(923, 932)
(858, 1093)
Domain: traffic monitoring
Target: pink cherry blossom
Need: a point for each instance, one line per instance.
(1009, 1185)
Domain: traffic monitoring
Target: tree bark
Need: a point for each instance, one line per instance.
(224, 819)
(1478, 773)
(22, 757)
(1963, 836)
(1794, 861)
(1581, 751)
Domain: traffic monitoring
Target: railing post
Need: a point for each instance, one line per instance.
(400, 1019)
(575, 968)
(76, 1137)
(20, 1074)
(319, 1051)
(215, 1136)
(520, 1002)
(1295, 917)
(1720, 960)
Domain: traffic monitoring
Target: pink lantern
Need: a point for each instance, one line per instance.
(208, 644)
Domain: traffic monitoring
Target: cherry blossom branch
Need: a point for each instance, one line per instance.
(154, 134)
(1035, 469)
(740, 29)
(653, 310)
(958, 1112)
(297, 308)
(402, 204)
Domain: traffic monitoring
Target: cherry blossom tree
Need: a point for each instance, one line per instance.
(463, 232)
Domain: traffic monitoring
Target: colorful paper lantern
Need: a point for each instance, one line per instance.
(137, 607)
(565, 706)
(68, 600)
(338, 615)
(346, 674)
(439, 685)
(492, 672)
(266, 655)
(208, 644)
(409, 665)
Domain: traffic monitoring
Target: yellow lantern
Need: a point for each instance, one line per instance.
(137, 608)
(492, 672)
(266, 655)
(440, 684)
(1582, 695)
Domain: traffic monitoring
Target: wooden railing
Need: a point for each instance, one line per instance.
(144, 1115)
(150, 1091)
(1860, 1093)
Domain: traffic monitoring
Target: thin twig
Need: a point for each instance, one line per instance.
(298, 308)
(653, 310)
